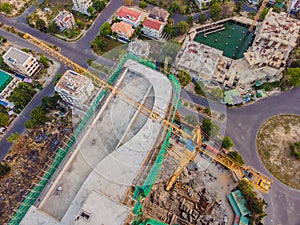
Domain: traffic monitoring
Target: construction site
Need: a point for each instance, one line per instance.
(251, 51)
(127, 162)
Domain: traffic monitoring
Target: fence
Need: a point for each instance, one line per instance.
(32, 196)
(144, 190)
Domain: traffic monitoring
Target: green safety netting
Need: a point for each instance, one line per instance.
(31, 197)
(144, 190)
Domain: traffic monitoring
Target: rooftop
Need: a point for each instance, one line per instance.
(153, 24)
(109, 155)
(123, 27)
(279, 27)
(63, 16)
(276, 37)
(199, 58)
(89, 214)
(159, 12)
(72, 82)
(14, 54)
(128, 13)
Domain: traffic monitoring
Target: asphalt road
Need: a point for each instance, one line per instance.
(78, 51)
(242, 125)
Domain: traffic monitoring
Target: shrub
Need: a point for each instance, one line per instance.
(4, 169)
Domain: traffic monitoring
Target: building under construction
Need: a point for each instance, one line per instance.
(110, 157)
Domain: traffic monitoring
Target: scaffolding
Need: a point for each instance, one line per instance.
(144, 190)
(33, 195)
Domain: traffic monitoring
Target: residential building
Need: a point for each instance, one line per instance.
(74, 88)
(159, 14)
(202, 3)
(199, 60)
(130, 16)
(275, 38)
(152, 28)
(295, 7)
(21, 62)
(65, 20)
(82, 6)
(123, 30)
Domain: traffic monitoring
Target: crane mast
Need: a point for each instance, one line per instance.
(257, 179)
(256, 17)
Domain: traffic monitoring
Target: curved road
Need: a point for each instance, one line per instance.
(78, 51)
(242, 125)
(245, 121)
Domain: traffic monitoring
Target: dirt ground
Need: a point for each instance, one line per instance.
(274, 141)
(28, 159)
(198, 197)
(18, 6)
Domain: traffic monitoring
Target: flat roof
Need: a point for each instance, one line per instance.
(16, 54)
(199, 58)
(72, 82)
(94, 204)
(123, 139)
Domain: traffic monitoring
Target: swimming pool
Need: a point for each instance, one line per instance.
(5, 79)
(234, 40)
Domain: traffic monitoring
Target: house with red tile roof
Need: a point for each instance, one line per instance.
(123, 30)
(129, 15)
(152, 28)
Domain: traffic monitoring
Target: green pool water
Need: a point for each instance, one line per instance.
(234, 40)
(4, 80)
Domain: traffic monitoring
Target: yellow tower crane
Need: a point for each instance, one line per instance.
(255, 178)
(261, 8)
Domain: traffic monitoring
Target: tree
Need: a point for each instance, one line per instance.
(174, 7)
(49, 103)
(22, 94)
(40, 24)
(293, 76)
(105, 29)
(202, 18)
(264, 13)
(38, 115)
(216, 94)
(238, 6)
(171, 30)
(211, 128)
(99, 5)
(183, 27)
(128, 2)
(143, 4)
(237, 157)
(91, 10)
(199, 88)
(57, 78)
(6, 7)
(228, 8)
(215, 10)
(190, 20)
(192, 119)
(227, 142)
(183, 77)
(4, 119)
(44, 60)
(52, 27)
(12, 137)
(255, 204)
(98, 44)
(29, 124)
(80, 24)
(4, 169)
